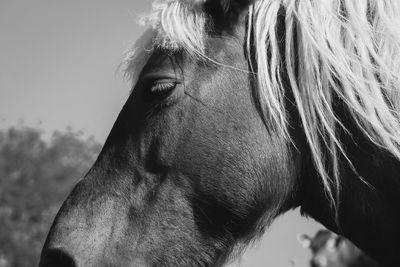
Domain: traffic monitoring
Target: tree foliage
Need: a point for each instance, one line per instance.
(35, 177)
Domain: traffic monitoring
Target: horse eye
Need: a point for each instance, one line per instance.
(161, 89)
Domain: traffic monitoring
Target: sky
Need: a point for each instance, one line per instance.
(59, 67)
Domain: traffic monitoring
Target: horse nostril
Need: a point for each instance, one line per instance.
(56, 257)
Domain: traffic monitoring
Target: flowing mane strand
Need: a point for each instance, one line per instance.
(347, 50)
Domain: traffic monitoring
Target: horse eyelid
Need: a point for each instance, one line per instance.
(156, 77)
(161, 89)
(163, 86)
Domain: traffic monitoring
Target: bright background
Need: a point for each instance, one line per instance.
(58, 68)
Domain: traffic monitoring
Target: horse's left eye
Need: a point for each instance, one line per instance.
(162, 89)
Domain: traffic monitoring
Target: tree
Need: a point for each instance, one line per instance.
(35, 177)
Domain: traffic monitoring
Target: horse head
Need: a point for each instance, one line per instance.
(240, 110)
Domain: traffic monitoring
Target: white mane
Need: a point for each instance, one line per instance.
(348, 50)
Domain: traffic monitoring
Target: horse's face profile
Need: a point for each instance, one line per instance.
(242, 110)
(188, 170)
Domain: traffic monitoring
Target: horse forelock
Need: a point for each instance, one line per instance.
(347, 51)
(173, 25)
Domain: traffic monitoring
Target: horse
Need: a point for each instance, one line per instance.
(241, 110)
(331, 250)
